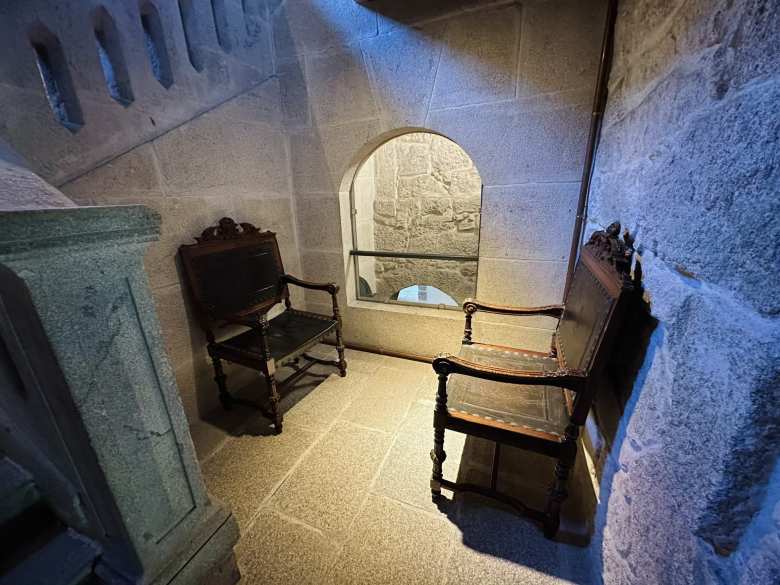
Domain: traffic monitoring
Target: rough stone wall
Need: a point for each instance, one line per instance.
(689, 162)
(509, 82)
(426, 199)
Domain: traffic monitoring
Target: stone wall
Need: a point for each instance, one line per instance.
(195, 147)
(689, 162)
(267, 130)
(20, 188)
(426, 198)
(107, 127)
(509, 82)
(231, 161)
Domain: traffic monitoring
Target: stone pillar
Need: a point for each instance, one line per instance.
(84, 269)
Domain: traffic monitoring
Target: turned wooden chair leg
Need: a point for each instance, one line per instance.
(273, 396)
(220, 378)
(340, 350)
(557, 495)
(559, 490)
(437, 456)
(339, 338)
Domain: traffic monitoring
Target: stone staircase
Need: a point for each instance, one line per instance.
(36, 548)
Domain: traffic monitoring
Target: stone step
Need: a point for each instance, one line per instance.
(18, 491)
(66, 559)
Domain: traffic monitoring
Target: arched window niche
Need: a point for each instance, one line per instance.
(414, 219)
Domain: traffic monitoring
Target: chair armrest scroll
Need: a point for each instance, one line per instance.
(328, 287)
(471, 306)
(446, 364)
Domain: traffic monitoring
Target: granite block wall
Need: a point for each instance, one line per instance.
(689, 162)
(510, 82)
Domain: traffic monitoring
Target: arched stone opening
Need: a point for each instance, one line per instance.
(414, 216)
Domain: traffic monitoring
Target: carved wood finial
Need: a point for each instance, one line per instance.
(608, 247)
(227, 229)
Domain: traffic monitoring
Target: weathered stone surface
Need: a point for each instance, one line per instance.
(321, 214)
(521, 282)
(403, 66)
(275, 551)
(378, 552)
(346, 461)
(260, 105)
(135, 172)
(320, 157)
(398, 14)
(206, 154)
(556, 48)
(491, 72)
(296, 103)
(704, 334)
(324, 267)
(339, 87)
(688, 161)
(305, 26)
(510, 142)
(20, 188)
(733, 181)
(109, 129)
(529, 222)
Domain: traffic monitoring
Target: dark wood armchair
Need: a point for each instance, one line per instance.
(531, 400)
(235, 276)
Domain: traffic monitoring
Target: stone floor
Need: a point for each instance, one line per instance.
(341, 496)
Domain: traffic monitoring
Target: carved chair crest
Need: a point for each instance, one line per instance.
(608, 247)
(227, 229)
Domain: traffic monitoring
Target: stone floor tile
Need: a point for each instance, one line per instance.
(357, 361)
(385, 399)
(319, 408)
(393, 544)
(406, 473)
(247, 468)
(427, 389)
(328, 487)
(496, 546)
(278, 551)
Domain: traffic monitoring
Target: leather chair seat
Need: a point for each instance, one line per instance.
(516, 407)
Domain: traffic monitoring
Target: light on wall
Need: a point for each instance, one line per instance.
(56, 79)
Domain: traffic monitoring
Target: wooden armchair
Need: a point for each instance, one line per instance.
(533, 400)
(235, 276)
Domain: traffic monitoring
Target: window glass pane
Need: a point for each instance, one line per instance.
(419, 192)
(445, 283)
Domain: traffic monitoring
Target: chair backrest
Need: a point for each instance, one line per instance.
(234, 269)
(590, 316)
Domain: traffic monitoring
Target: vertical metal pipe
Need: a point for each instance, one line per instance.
(599, 102)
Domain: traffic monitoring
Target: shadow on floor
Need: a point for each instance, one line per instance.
(491, 528)
(249, 413)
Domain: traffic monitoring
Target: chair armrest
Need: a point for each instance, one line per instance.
(471, 306)
(445, 364)
(328, 287)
